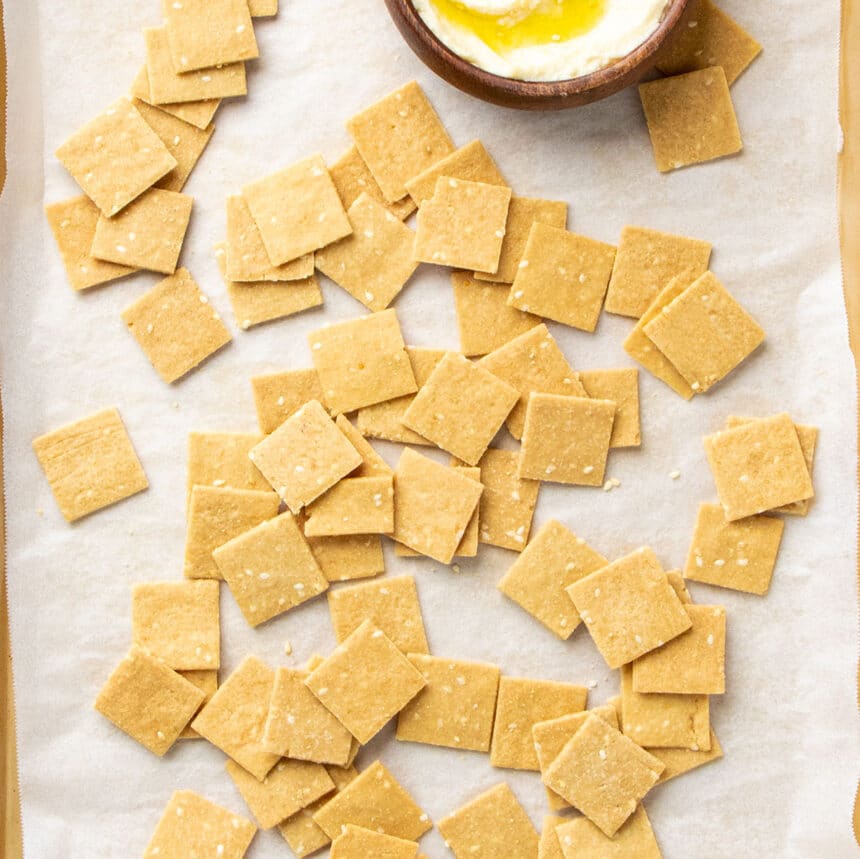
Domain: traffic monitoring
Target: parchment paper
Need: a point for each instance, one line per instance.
(787, 724)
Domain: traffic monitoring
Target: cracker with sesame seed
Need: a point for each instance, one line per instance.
(562, 276)
(355, 842)
(343, 559)
(492, 824)
(680, 761)
(366, 681)
(207, 683)
(356, 505)
(305, 456)
(220, 459)
(270, 569)
(196, 113)
(278, 396)
(352, 178)
(620, 385)
(694, 663)
(554, 559)
(399, 137)
(739, 555)
(629, 607)
(580, 837)
(73, 224)
(179, 623)
(758, 466)
(362, 361)
(548, 846)
(90, 464)
(372, 465)
(148, 701)
(375, 261)
(192, 823)
(522, 703)
(463, 225)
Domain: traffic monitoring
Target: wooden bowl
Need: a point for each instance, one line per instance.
(534, 95)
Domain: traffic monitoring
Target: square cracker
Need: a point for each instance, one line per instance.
(621, 385)
(456, 707)
(566, 439)
(207, 683)
(73, 224)
(352, 178)
(374, 800)
(365, 682)
(192, 823)
(217, 515)
(580, 837)
(463, 225)
(179, 623)
(485, 320)
(691, 118)
(116, 157)
(680, 761)
(270, 569)
(278, 396)
(391, 604)
(206, 33)
(645, 263)
(176, 326)
(343, 559)
(362, 361)
(356, 842)
(562, 276)
(235, 718)
(739, 555)
(305, 456)
(705, 333)
(196, 113)
(461, 407)
(433, 506)
(532, 362)
(399, 137)
(374, 262)
(147, 234)
(493, 824)
(220, 459)
(90, 464)
(148, 701)
(355, 505)
(758, 466)
(554, 559)
(691, 664)
(522, 703)
(629, 607)
(297, 210)
(603, 774)
(507, 502)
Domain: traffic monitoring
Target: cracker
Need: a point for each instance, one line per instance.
(433, 506)
(471, 162)
(148, 701)
(468, 547)
(463, 225)
(580, 837)
(629, 607)
(278, 396)
(358, 843)
(691, 118)
(461, 407)
(739, 555)
(305, 456)
(362, 361)
(207, 683)
(375, 261)
(270, 569)
(705, 333)
(73, 223)
(758, 466)
(566, 439)
(297, 210)
(206, 33)
(548, 846)
(493, 824)
(192, 824)
(456, 707)
(485, 320)
(289, 787)
(532, 362)
(220, 459)
(196, 113)
(680, 761)
(343, 559)
(693, 663)
(522, 213)
(175, 326)
(711, 38)
(522, 703)
(90, 464)
(399, 137)
(263, 8)
(676, 580)
(235, 718)
(373, 465)
(562, 276)
(179, 623)
(603, 774)
(507, 502)
(622, 387)
(554, 559)
(352, 178)
(357, 505)
(169, 87)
